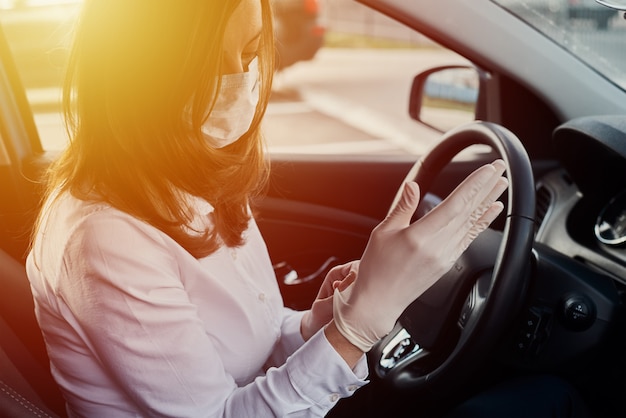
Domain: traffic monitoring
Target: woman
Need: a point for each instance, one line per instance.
(152, 284)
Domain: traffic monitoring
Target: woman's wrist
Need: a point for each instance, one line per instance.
(305, 326)
(348, 351)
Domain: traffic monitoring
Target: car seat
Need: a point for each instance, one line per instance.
(27, 388)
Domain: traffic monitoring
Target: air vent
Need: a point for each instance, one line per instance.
(543, 198)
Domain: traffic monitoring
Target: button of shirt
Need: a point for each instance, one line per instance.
(233, 254)
(262, 297)
(352, 388)
(334, 397)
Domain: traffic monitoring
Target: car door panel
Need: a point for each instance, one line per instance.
(318, 209)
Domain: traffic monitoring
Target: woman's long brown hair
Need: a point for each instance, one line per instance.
(142, 77)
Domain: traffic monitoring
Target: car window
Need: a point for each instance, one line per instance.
(342, 84)
(38, 32)
(591, 32)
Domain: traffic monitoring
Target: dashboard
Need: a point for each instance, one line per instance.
(582, 208)
(579, 255)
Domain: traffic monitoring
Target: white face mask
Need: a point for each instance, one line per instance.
(234, 108)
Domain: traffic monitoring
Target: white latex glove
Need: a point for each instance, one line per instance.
(402, 260)
(321, 312)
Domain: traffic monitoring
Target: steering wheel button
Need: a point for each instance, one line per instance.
(532, 322)
(577, 313)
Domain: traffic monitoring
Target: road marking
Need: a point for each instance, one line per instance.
(287, 108)
(353, 147)
(388, 138)
(362, 118)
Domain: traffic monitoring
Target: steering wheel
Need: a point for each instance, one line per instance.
(445, 331)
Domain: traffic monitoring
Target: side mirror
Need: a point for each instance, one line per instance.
(445, 97)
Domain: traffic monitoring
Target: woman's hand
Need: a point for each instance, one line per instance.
(403, 260)
(321, 312)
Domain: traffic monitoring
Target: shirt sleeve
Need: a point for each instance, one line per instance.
(123, 287)
(290, 337)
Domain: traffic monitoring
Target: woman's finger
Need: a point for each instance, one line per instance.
(401, 215)
(458, 207)
(347, 281)
(486, 204)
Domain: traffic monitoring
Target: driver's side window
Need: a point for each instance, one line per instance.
(342, 85)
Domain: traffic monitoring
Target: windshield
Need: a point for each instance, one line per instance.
(591, 32)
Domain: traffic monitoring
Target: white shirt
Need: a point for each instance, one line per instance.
(135, 326)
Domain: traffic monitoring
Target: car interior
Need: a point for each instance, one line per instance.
(560, 312)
